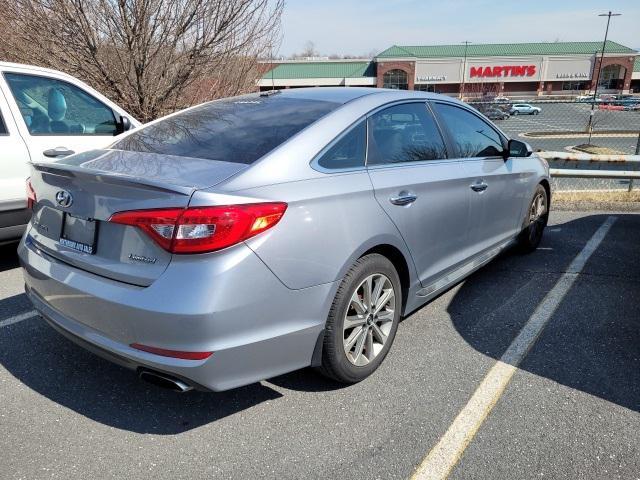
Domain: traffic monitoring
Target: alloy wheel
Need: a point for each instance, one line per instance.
(368, 319)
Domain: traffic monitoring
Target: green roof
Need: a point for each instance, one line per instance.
(304, 69)
(504, 49)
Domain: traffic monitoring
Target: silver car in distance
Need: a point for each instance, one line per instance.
(248, 237)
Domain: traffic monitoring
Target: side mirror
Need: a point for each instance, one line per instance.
(516, 148)
(123, 125)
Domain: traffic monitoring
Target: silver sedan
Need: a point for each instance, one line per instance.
(256, 235)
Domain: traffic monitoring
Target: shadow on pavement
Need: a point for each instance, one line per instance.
(592, 341)
(63, 372)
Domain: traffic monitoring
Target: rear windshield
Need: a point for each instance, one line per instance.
(239, 130)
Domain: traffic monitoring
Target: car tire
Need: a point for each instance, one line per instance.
(535, 222)
(356, 338)
(515, 112)
(536, 112)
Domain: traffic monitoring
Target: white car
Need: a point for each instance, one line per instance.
(524, 108)
(44, 115)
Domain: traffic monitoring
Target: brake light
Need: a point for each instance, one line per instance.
(31, 195)
(203, 229)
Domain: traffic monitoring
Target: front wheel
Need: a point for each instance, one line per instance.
(363, 320)
(536, 221)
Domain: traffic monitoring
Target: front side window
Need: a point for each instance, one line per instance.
(238, 130)
(471, 136)
(404, 133)
(54, 107)
(348, 151)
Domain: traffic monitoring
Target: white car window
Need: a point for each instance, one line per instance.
(3, 127)
(55, 107)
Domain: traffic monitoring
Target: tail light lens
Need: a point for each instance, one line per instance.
(203, 229)
(31, 195)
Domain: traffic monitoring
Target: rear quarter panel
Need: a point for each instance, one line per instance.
(330, 221)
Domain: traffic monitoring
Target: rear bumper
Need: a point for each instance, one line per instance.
(229, 303)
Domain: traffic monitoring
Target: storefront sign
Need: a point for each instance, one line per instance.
(503, 71)
(432, 78)
(572, 75)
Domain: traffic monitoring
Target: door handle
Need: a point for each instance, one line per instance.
(403, 199)
(479, 187)
(58, 152)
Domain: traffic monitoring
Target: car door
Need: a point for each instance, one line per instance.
(495, 186)
(57, 117)
(418, 186)
(14, 170)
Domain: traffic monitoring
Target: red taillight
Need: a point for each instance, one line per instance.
(203, 229)
(172, 353)
(31, 195)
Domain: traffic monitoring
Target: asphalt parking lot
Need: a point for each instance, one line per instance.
(570, 410)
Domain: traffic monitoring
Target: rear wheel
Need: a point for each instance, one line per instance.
(536, 221)
(363, 320)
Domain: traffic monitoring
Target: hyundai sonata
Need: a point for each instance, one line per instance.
(256, 235)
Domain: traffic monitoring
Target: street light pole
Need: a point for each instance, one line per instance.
(464, 67)
(595, 91)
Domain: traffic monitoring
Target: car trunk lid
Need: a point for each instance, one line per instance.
(76, 197)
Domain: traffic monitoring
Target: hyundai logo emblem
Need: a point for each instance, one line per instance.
(64, 199)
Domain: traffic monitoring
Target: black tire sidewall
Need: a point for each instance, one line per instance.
(526, 243)
(334, 361)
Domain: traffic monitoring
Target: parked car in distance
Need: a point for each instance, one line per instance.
(631, 107)
(44, 115)
(496, 114)
(501, 99)
(524, 108)
(587, 98)
(251, 236)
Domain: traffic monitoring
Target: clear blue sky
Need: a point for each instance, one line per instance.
(357, 27)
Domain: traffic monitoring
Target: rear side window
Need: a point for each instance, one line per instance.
(3, 127)
(404, 133)
(239, 130)
(348, 151)
(471, 136)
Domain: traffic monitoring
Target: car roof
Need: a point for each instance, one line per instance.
(346, 94)
(33, 68)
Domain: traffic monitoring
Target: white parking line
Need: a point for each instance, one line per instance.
(444, 456)
(18, 318)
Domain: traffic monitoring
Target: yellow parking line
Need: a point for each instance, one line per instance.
(444, 456)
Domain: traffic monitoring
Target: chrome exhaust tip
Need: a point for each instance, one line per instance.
(164, 381)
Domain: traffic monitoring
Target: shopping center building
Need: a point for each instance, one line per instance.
(518, 69)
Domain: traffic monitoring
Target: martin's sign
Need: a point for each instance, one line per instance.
(501, 71)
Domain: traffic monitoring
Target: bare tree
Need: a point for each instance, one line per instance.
(150, 56)
(309, 50)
